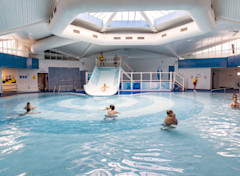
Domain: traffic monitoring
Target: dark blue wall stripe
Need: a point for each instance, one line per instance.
(203, 63)
(231, 61)
(12, 61)
(234, 61)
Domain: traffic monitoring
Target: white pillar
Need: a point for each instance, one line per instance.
(131, 81)
(170, 81)
(23, 51)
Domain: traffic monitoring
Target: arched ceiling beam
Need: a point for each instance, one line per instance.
(148, 21)
(108, 22)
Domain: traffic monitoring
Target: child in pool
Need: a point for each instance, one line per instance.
(171, 118)
(235, 104)
(112, 111)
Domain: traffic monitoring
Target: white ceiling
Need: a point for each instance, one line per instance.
(16, 15)
(28, 19)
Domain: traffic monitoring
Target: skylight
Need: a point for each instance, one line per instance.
(130, 15)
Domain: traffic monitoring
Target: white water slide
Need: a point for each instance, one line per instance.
(100, 76)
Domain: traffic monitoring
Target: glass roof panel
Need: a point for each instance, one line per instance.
(102, 18)
(130, 16)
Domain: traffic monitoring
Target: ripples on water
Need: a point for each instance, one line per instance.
(206, 142)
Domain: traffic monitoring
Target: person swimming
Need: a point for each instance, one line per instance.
(28, 107)
(235, 104)
(170, 119)
(112, 111)
(235, 95)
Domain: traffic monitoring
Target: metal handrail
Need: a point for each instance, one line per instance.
(110, 62)
(225, 89)
(180, 81)
(123, 64)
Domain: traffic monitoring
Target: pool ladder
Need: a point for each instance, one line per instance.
(55, 87)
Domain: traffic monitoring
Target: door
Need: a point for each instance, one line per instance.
(215, 79)
(43, 81)
(171, 69)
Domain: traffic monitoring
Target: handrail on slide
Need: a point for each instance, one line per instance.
(109, 62)
(110, 76)
(179, 80)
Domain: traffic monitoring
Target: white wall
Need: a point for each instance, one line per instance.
(203, 74)
(87, 63)
(29, 84)
(138, 60)
(151, 64)
(45, 64)
(227, 77)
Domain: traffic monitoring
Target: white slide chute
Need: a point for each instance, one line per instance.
(100, 76)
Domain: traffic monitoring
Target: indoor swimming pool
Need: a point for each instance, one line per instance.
(69, 136)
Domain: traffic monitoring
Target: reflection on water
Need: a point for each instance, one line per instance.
(221, 126)
(71, 138)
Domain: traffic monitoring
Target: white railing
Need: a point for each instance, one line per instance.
(125, 66)
(107, 62)
(110, 62)
(54, 89)
(224, 89)
(66, 85)
(179, 80)
(146, 81)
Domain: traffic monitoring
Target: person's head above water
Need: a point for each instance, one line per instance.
(233, 96)
(235, 99)
(112, 107)
(169, 112)
(28, 103)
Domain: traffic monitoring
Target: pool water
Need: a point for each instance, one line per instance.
(69, 136)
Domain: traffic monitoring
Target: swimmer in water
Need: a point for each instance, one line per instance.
(235, 104)
(171, 118)
(233, 96)
(112, 111)
(28, 107)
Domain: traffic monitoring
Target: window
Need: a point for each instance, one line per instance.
(8, 46)
(219, 50)
(48, 54)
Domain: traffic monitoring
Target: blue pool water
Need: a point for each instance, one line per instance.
(70, 137)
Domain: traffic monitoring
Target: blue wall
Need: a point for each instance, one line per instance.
(234, 61)
(12, 61)
(231, 61)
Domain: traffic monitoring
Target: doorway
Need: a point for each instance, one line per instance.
(43, 81)
(170, 69)
(215, 78)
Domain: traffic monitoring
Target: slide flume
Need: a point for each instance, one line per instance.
(100, 76)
